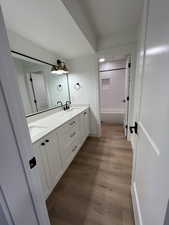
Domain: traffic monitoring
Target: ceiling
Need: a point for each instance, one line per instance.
(112, 16)
(51, 25)
(48, 24)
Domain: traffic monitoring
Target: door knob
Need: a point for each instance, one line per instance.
(32, 163)
(134, 129)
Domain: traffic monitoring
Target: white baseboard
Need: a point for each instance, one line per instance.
(136, 205)
(132, 144)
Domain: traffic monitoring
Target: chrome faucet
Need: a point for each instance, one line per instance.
(67, 106)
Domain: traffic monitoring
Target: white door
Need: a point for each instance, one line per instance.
(150, 187)
(40, 91)
(126, 96)
(15, 196)
(21, 201)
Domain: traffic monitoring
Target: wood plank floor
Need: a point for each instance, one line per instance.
(95, 190)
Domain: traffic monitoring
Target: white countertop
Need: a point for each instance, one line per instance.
(43, 126)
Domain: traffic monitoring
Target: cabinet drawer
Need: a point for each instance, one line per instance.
(70, 136)
(69, 147)
(69, 131)
(73, 123)
(71, 152)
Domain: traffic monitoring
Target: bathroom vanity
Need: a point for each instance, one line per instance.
(56, 135)
(56, 140)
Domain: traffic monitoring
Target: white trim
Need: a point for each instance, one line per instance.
(132, 144)
(136, 205)
(156, 149)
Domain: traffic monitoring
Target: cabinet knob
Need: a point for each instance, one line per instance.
(47, 140)
(85, 113)
(43, 143)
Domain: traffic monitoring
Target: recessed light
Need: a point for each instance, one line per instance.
(101, 59)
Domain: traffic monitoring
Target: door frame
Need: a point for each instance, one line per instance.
(141, 51)
(139, 81)
(8, 82)
(127, 95)
(130, 89)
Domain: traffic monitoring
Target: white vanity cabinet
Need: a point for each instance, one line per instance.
(48, 161)
(56, 150)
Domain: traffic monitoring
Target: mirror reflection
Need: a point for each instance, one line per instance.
(39, 88)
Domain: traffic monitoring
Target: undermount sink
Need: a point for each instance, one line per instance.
(35, 129)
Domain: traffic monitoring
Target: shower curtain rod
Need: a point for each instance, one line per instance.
(112, 70)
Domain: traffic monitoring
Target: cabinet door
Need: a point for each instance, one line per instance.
(42, 164)
(84, 125)
(53, 158)
(86, 122)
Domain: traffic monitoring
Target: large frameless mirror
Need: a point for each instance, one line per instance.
(40, 89)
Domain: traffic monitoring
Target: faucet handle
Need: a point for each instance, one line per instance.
(60, 103)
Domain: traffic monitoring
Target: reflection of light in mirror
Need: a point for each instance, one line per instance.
(157, 50)
(101, 60)
(59, 72)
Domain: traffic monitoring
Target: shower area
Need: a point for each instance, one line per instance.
(114, 91)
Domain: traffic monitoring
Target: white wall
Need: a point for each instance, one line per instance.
(112, 86)
(22, 45)
(75, 9)
(84, 70)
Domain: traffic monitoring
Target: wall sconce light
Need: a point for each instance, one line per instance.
(60, 68)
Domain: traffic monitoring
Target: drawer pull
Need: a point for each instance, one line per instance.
(72, 123)
(42, 143)
(47, 140)
(74, 149)
(85, 113)
(73, 134)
